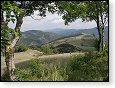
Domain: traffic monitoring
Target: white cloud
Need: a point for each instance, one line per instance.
(78, 24)
(51, 21)
(58, 21)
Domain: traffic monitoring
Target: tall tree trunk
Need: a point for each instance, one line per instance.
(100, 42)
(102, 38)
(9, 59)
(9, 51)
(100, 27)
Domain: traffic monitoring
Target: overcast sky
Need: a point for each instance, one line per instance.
(51, 21)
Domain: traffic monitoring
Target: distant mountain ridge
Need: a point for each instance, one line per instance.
(67, 32)
(80, 42)
(37, 37)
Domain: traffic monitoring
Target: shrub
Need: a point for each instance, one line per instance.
(52, 72)
(90, 67)
(96, 43)
(5, 76)
(32, 73)
(38, 71)
(65, 48)
(21, 48)
(46, 49)
(35, 67)
(23, 75)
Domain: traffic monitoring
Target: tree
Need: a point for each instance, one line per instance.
(46, 49)
(9, 37)
(15, 11)
(87, 11)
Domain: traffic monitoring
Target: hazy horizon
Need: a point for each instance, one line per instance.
(51, 21)
(56, 28)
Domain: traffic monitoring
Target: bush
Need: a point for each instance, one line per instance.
(21, 48)
(45, 72)
(90, 67)
(35, 67)
(5, 77)
(96, 43)
(65, 48)
(38, 71)
(93, 66)
(46, 49)
(23, 75)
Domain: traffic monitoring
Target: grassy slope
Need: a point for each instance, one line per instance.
(19, 57)
(53, 67)
(22, 58)
(37, 37)
(82, 41)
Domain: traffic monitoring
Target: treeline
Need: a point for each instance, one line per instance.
(62, 48)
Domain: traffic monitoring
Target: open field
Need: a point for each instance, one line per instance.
(77, 66)
(22, 58)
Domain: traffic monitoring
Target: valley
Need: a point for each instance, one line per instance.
(47, 41)
(45, 56)
(38, 37)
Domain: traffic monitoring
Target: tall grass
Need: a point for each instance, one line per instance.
(38, 71)
(92, 66)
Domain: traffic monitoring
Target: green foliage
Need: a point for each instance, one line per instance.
(106, 47)
(8, 7)
(5, 76)
(7, 35)
(21, 48)
(105, 51)
(65, 48)
(86, 10)
(96, 43)
(13, 10)
(35, 67)
(37, 37)
(46, 49)
(91, 67)
(22, 74)
(73, 44)
(39, 71)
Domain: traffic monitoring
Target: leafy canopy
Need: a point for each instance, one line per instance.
(86, 10)
(13, 10)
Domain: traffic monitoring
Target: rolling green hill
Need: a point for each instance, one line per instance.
(37, 37)
(67, 32)
(78, 42)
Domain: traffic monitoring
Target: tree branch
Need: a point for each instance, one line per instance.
(2, 17)
(105, 19)
(93, 18)
(36, 19)
(14, 41)
(19, 23)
